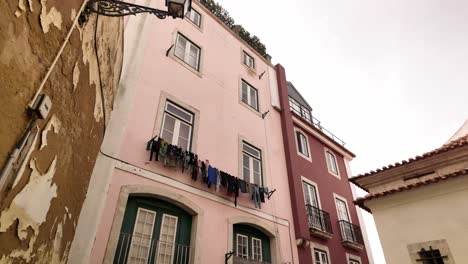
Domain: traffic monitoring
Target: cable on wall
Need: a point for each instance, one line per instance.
(59, 53)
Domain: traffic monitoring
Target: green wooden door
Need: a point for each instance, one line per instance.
(154, 231)
(249, 242)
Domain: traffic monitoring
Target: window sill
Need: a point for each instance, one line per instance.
(252, 71)
(183, 63)
(200, 28)
(308, 158)
(250, 108)
(334, 174)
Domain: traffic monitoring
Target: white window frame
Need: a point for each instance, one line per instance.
(314, 185)
(237, 246)
(302, 144)
(253, 251)
(189, 44)
(321, 252)
(249, 58)
(167, 242)
(328, 151)
(338, 197)
(134, 231)
(298, 130)
(178, 122)
(351, 257)
(249, 98)
(251, 159)
(191, 17)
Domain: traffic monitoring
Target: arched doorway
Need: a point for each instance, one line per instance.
(154, 231)
(250, 245)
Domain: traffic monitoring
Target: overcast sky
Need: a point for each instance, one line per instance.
(389, 77)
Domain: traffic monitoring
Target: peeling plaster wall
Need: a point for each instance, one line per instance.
(39, 210)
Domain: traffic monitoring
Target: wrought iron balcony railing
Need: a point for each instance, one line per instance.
(350, 233)
(143, 249)
(317, 124)
(318, 219)
(241, 260)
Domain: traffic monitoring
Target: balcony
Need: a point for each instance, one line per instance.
(143, 249)
(317, 124)
(351, 236)
(241, 260)
(319, 222)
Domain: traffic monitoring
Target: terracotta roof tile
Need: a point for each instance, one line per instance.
(360, 201)
(460, 142)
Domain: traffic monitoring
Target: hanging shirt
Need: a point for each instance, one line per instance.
(242, 186)
(212, 176)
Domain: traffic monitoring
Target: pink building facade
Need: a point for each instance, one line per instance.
(198, 86)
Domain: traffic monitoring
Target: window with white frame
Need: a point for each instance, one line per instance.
(257, 249)
(194, 16)
(248, 60)
(321, 256)
(249, 95)
(142, 236)
(187, 51)
(167, 239)
(177, 126)
(302, 144)
(252, 164)
(342, 210)
(331, 162)
(310, 194)
(353, 261)
(242, 245)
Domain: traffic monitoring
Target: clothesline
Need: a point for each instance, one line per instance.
(175, 156)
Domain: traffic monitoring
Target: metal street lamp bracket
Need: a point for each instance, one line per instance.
(114, 8)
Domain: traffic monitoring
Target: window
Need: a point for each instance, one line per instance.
(252, 164)
(302, 145)
(249, 95)
(310, 194)
(242, 246)
(352, 261)
(248, 60)
(331, 162)
(320, 256)
(256, 249)
(431, 256)
(154, 231)
(177, 126)
(142, 235)
(194, 16)
(167, 239)
(187, 51)
(342, 210)
(250, 244)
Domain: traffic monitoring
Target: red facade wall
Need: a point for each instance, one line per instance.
(317, 171)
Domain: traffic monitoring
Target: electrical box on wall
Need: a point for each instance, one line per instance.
(42, 106)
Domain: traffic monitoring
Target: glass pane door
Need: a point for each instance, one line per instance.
(142, 235)
(167, 239)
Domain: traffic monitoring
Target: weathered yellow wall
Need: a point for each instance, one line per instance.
(434, 212)
(38, 214)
